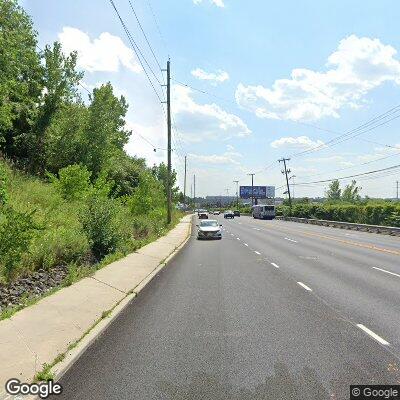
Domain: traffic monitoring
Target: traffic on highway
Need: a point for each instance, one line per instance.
(274, 309)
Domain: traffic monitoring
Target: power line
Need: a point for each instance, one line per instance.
(137, 51)
(144, 34)
(351, 176)
(354, 166)
(156, 23)
(370, 122)
(353, 133)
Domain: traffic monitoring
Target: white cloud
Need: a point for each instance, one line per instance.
(204, 121)
(356, 67)
(214, 77)
(105, 53)
(139, 142)
(218, 3)
(225, 158)
(299, 142)
(332, 160)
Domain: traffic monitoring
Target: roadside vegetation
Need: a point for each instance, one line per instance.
(345, 205)
(69, 193)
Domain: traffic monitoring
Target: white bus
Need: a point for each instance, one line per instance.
(264, 211)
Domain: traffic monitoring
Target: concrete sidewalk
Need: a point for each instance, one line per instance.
(39, 333)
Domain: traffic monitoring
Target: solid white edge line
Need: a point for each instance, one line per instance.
(304, 286)
(275, 265)
(373, 335)
(257, 252)
(388, 272)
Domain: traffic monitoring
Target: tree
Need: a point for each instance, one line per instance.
(161, 173)
(105, 134)
(334, 192)
(351, 192)
(60, 87)
(148, 196)
(64, 141)
(124, 171)
(20, 78)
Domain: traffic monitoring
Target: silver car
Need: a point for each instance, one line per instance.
(209, 229)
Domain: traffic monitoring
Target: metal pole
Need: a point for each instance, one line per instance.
(184, 185)
(237, 194)
(169, 200)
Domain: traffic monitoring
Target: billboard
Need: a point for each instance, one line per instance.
(260, 192)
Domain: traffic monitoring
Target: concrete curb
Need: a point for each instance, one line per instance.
(101, 322)
(101, 325)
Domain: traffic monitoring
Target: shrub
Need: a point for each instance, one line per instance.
(3, 185)
(58, 246)
(73, 182)
(16, 232)
(97, 218)
(382, 213)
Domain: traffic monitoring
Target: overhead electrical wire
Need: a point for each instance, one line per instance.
(353, 166)
(353, 133)
(144, 34)
(138, 52)
(393, 167)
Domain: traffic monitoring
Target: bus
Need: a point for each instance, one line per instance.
(264, 211)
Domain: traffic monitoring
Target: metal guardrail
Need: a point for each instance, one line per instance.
(385, 230)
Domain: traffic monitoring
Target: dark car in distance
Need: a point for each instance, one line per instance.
(229, 214)
(236, 213)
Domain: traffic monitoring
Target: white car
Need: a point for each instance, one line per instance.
(209, 229)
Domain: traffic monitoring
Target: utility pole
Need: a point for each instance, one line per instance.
(169, 199)
(293, 185)
(184, 185)
(194, 190)
(286, 172)
(397, 190)
(252, 188)
(237, 194)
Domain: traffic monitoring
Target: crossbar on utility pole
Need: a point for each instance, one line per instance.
(286, 172)
(169, 199)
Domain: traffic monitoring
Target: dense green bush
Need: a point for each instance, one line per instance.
(73, 182)
(98, 222)
(58, 246)
(373, 213)
(16, 231)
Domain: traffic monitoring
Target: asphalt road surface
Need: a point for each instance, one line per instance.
(275, 310)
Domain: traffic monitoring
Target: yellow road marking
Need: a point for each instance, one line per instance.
(348, 242)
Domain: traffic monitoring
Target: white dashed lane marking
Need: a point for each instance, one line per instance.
(275, 265)
(257, 252)
(246, 244)
(373, 335)
(291, 240)
(388, 272)
(304, 286)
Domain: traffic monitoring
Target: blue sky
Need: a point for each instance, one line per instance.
(271, 70)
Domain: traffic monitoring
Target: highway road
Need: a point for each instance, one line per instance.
(275, 310)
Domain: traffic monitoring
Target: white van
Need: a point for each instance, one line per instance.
(264, 211)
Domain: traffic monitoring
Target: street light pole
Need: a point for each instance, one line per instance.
(252, 189)
(237, 194)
